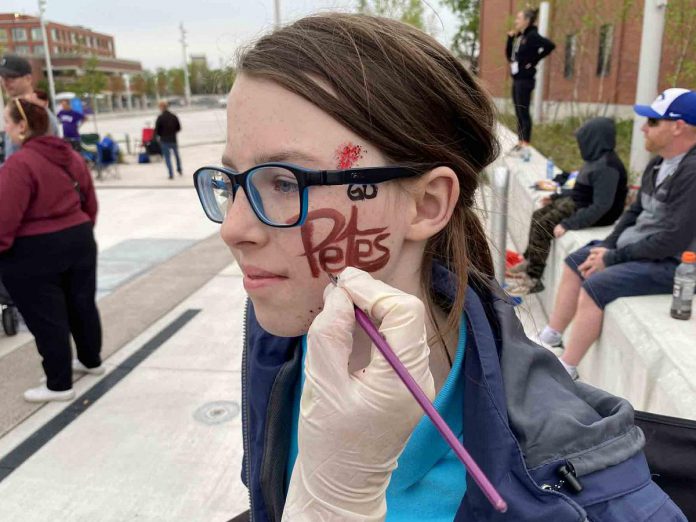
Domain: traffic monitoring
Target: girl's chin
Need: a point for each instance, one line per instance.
(282, 324)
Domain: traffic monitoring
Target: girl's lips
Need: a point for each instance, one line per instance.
(258, 278)
(253, 283)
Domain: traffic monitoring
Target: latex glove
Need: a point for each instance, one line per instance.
(353, 427)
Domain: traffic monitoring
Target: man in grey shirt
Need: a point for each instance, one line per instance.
(16, 79)
(641, 254)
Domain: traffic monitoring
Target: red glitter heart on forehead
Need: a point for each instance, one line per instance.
(348, 155)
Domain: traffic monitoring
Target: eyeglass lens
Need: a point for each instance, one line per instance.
(272, 191)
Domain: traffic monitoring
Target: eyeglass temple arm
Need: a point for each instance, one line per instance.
(362, 176)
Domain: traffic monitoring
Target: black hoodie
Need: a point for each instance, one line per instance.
(532, 49)
(601, 186)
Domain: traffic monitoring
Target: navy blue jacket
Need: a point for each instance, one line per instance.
(525, 423)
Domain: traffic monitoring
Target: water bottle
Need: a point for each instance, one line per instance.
(684, 283)
(526, 154)
(550, 169)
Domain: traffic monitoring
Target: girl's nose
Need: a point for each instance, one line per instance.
(241, 226)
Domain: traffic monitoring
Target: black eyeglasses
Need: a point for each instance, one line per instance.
(277, 192)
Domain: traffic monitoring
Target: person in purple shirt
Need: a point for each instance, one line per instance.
(71, 121)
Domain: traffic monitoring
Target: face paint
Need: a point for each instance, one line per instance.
(348, 156)
(362, 192)
(345, 245)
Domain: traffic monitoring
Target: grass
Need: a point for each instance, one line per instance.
(557, 140)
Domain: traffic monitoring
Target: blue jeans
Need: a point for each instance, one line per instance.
(166, 148)
(643, 277)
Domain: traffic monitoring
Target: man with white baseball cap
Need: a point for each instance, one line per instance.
(641, 254)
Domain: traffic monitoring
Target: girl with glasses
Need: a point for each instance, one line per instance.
(358, 144)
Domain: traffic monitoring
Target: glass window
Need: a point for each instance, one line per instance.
(56, 49)
(54, 34)
(39, 50)
(3, 35)
(606, 40)
(36, 34)
(21, 49)
(571, 47)
(19, 34)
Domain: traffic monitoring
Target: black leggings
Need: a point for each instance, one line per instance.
(521, 98)
(52, 281)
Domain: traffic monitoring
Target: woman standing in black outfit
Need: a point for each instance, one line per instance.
(524, 50)
(48, 256)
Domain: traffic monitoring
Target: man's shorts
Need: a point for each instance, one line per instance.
(624, 279)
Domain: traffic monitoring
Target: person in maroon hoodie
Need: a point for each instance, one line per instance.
(48, 255)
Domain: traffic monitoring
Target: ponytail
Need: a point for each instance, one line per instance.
(531, 14)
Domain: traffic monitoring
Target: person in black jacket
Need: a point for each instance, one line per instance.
(596, 199)
(166, 128)
(524, 50)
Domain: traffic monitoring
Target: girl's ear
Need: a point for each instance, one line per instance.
(436, 194)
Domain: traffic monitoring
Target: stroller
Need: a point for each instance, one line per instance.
(149, 145)
(10, 315)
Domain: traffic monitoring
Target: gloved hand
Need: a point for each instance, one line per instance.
(353, 427)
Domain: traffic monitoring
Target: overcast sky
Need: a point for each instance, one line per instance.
(148, 30)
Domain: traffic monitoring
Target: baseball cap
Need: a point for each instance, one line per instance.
(13, 66)
(671, 104)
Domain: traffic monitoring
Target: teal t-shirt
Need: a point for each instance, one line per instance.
(430, 481)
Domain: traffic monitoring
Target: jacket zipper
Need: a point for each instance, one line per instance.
(245, 411)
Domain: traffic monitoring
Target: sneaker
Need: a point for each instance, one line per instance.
(78, 367)
(517, 270)
(525, 285)
(43, 394)
(516, 151)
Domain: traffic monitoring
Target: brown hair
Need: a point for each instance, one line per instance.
(41, 94)
(531, 14)
(34, 115)
(404, 92)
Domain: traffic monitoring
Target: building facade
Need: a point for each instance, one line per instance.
(597, 49)
(70, 47)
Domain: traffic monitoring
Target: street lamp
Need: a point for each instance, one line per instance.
(187, 85)
(47, 55)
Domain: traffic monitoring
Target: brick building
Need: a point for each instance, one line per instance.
(597, 50)
(70, 46)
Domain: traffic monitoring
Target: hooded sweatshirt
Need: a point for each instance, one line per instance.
(600, 188)
(38, 193)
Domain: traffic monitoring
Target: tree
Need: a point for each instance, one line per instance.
(92, 83)
(681, 38)
(176, 81)
(408, 11)
(465, 42)
(161, 83)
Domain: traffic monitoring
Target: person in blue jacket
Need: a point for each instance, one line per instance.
(358, 143)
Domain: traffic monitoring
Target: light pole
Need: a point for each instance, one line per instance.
(648, 75)
(47, 55)
(187, 85)
(541, 72)
(276, 13)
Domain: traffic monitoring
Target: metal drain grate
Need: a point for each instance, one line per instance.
(217, 412)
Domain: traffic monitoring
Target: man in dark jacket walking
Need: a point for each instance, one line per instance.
(641, 254)
(524, 50)
(166, 128)
(596, 199)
